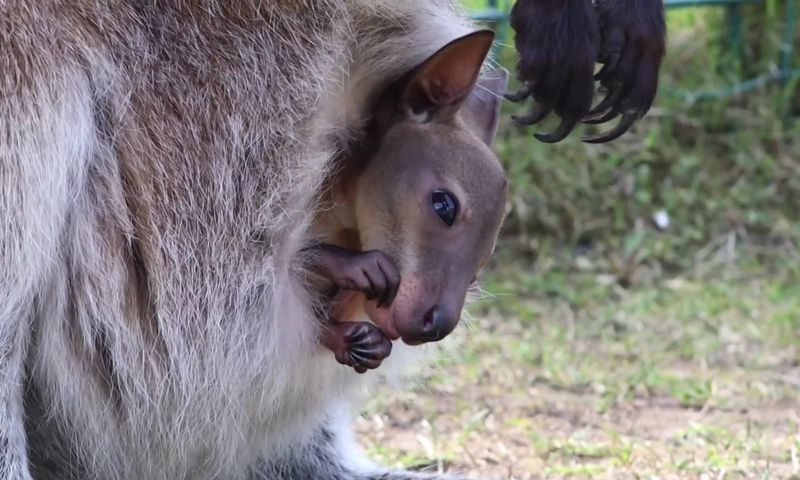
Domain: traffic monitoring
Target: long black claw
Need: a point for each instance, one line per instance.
(601, 118)
(603, 71)
(608, 66)
(520, 95)
(536, 116)
(561, 132)
(604, 104)
(628, 119)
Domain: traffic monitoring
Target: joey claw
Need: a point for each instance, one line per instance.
(357, 334)
(392, 283)
(360, 345)
(359, 360)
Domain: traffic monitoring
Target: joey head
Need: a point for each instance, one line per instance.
(413, 211)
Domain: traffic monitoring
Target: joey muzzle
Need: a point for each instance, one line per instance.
(438, 322)
(420, 313)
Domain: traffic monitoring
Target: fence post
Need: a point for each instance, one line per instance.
(787, 49)
(734, 21)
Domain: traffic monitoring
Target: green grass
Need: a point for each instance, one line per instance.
(573, 377)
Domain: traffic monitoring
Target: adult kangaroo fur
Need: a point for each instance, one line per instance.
(158, 166)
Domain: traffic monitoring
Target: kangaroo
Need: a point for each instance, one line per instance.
(160, 164)
(422, 191)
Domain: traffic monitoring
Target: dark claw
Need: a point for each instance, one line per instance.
(561, 132)
(628, 119)
(389, 293)
(601, 118)
(393, 294)
(362, 353)
(392, 285)
(360, 369)
(363, 362)
(608, 67)
(357, 358)
(358, 336)
(386, 297)
(536, 116)
(610, 54)
(520, 95)
(605, 104)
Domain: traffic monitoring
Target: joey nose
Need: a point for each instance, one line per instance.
(434, 325)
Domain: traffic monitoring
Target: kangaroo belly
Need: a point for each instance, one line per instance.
(175, 337)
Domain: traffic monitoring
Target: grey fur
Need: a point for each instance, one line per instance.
(158, 164)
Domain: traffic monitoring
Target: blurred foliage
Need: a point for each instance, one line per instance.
(724, 171)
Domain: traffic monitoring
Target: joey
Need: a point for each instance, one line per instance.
(414, 209)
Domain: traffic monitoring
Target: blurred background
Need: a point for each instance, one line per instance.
(641, 317)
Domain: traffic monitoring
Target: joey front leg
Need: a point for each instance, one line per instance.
(360, 345)
(372, 272)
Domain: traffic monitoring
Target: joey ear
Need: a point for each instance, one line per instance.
(482, 108)
(447, 77)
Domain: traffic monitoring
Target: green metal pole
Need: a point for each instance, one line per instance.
(787, 49)
(734, 16)
(787, 52)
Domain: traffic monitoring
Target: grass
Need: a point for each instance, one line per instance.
(610, 348)
(579, 379)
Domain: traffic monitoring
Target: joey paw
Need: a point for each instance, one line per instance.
(360, 345)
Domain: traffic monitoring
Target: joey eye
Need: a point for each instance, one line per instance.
(445, 205)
